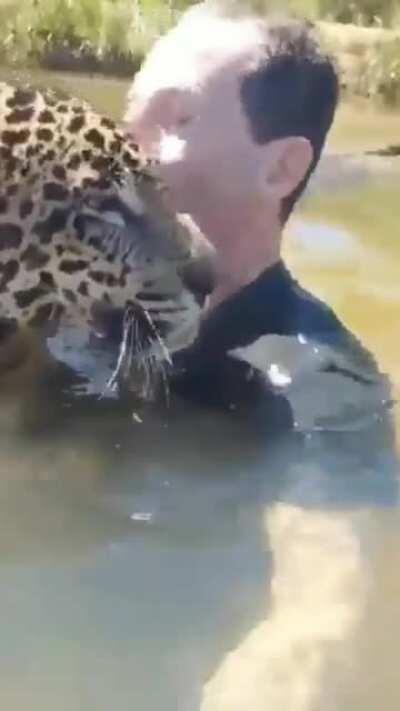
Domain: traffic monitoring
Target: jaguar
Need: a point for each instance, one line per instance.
(86, 239)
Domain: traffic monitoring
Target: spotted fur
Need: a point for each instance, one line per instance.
(83, 229)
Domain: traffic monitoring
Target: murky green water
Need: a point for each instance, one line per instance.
(186, 565)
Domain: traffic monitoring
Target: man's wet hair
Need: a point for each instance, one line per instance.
(292, 88)
(293, 91)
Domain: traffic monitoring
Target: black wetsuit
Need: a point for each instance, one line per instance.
(332, 414)
(216, 369)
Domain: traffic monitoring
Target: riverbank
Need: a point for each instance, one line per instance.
(112, 37)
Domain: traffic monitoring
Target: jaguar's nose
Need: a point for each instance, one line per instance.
(199, 276)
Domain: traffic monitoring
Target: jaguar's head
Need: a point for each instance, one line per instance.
(150, 275)
(85, 237)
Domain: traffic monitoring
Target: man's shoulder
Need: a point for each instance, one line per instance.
(275, 306)
(295, 346)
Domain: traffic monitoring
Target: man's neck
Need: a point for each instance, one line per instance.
(246, 245)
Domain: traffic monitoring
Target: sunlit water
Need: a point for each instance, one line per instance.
(185, 565)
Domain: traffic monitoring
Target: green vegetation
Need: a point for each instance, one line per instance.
(359, 12)
(82, 34)
(113, 35)
(368, 59)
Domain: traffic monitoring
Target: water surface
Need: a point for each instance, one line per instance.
(185, 564)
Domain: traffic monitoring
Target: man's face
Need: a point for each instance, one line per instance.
(187, 113)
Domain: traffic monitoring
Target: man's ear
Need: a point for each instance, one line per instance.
(286, 163)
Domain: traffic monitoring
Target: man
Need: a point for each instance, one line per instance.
(237, 112)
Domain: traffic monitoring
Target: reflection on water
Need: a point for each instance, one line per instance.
(318, 599)
(190, 561)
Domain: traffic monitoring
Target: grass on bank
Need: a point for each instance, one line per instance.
(114, 35)
(102, 31)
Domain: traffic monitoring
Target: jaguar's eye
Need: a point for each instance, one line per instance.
(89, 205)
(184, 120)
(114, 218)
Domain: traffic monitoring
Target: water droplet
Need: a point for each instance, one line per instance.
(278, 376)
(143, 516)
